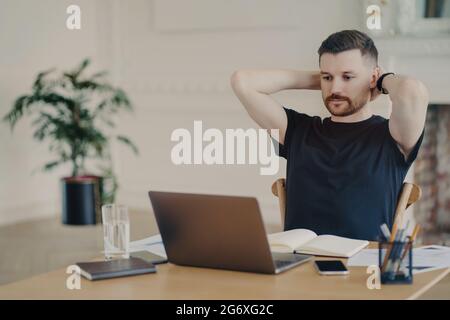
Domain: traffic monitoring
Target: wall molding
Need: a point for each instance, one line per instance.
(426, 58)
(413, 46)
(223, 15)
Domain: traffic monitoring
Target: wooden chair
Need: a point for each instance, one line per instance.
(279, 190)
(410, 191)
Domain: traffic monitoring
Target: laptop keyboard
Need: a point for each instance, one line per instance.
(282, 263)
(284, 260)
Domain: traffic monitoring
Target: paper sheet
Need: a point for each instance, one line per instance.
(152, 244)
(425, 259)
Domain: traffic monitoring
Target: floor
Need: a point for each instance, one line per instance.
(36, 247)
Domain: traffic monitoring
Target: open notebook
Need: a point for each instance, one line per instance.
(308, 242)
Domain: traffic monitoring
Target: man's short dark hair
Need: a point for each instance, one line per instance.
(347, 40)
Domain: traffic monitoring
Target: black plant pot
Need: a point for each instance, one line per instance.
(81, 197)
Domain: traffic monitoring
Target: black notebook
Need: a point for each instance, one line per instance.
(115, 268)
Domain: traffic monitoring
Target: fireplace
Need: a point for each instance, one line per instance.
(432, 174)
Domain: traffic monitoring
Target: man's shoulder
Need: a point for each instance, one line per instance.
(293, 114)
(379, 119)
(290, 111)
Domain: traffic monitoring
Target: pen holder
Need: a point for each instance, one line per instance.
(395, 261)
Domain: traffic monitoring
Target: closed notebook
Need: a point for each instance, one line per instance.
(115, 268)
(308, 242)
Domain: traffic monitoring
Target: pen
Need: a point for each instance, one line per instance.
(385, 231)
(394, 252)
(408, 246)
(390, 253)
(389, 248)
(396, 257)
(398, 215)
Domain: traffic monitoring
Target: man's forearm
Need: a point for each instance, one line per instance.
(405, 91)
(409, 106)
(270, 81)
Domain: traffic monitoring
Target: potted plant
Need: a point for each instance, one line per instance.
(74, 113)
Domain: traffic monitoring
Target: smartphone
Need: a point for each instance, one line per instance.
(330, 267)
(149, 257)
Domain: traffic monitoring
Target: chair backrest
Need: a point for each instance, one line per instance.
(279, 190)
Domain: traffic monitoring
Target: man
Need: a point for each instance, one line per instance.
(345, 172)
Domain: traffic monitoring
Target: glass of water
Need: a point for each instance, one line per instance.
(116, 231)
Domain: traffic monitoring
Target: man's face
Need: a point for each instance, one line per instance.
(346, 80)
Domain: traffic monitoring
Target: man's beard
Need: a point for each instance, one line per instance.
(346, 107)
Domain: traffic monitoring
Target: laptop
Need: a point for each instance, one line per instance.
(215, 231)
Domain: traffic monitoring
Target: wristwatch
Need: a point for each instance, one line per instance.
(380, 83)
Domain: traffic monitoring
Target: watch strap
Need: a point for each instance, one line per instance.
(380, 82)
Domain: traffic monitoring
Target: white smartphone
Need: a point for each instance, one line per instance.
(330, 267)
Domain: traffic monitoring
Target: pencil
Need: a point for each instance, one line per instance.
(398, 217)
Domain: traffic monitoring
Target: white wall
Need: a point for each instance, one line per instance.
(176, 61)
(175, 65)
(33, 38)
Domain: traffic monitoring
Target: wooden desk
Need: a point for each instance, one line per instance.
(178, 282)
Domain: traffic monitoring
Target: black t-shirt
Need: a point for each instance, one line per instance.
(342, 178)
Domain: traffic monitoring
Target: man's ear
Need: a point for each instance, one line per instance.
(376, 73)
(379, 71)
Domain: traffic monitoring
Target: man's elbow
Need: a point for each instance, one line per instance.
(238, 80)
(414, 93)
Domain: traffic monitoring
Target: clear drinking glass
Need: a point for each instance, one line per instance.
(116, 231)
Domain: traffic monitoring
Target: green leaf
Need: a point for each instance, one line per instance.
(38, 83)
(127, 142)
(51, 165)
(82, 66)
(73, 76)
(17, 111)
(121, 99)
(99, 74)
(42, 132)
(92, 85)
